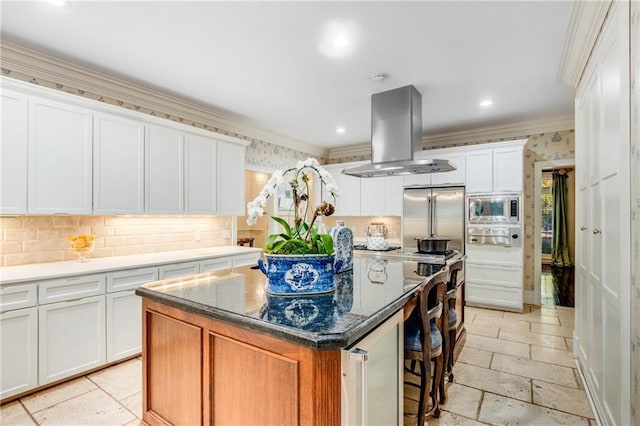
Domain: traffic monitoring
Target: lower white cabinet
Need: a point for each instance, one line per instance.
(178, 270)
(71, 337)
(19, 359)
(124, 325)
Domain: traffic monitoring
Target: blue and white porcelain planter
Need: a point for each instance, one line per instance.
(291, 274)
(314, 312)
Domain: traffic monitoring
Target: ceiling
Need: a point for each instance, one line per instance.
(275, 63)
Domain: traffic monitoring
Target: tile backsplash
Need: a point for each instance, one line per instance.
(36, 239)
(358, 224)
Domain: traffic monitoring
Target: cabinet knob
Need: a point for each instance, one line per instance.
(596, 231)
(582, 228)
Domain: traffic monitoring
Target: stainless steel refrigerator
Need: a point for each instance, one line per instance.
(438, 211)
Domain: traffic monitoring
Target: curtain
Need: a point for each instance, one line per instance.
(560, 248)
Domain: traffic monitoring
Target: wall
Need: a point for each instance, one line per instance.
(35, 239)
(358, 225)
(635, 212)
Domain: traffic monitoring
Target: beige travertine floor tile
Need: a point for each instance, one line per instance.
(450, 419)
(135, 422)
(534, 369)
(532, 317)
(569, 341)
(553, 356)
(499, 410)
(134, 404)
(489, 330)
(592, 422)
(555, 342)
(483, 312)
(493, 381)
(561, 398)
(120, 381)
(502, 323)
(552, 330)
(497, 345)
(474, 356)
(52, 396)
(462, 400)
(14, 414)
(94, 408)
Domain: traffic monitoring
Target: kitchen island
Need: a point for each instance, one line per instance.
(217, 349)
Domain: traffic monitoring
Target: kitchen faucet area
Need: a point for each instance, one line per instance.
(320, 213)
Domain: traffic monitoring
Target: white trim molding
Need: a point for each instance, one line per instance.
(19, 59)
(516, 130)
(585, 23)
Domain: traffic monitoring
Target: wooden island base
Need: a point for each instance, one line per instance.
(197, 370)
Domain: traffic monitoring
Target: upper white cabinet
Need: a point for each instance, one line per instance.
(230, 179)
(348, 203)
(381, 196)
(479, 171)
(200, 174)
(164, 170)
(454, 177)
(495, 168)
(118, 165)
(13, 153)
(60, 159)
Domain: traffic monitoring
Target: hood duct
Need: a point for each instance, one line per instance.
(396, 134)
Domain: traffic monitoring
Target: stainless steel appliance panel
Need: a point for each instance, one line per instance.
(496, 235)
(433, 210)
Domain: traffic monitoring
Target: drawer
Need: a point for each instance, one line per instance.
(178, 270)
(246, 259)
(130, 279)
(494, 255)
(493, 296)
(215, 264)
(18, 297)
(497, 275)
(72, 288)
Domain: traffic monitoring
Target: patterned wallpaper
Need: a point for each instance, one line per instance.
(635, 212)
(264, 154)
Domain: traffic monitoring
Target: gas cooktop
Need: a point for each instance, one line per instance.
(435, 258)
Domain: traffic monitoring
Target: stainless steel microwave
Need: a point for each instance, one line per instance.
(494, 208)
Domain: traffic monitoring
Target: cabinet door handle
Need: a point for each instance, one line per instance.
(362, 356)
(582, 228)
(596, 231)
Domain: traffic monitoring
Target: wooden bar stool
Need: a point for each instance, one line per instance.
(451, 326)
(246, 241)
(423, 343)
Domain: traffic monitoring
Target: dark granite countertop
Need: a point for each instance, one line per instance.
(364, 298)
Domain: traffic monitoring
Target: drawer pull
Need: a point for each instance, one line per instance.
(582, 228)
(596, 231)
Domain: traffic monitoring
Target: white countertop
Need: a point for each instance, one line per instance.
(41, 271)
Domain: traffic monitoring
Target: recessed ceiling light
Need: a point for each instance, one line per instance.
(340, 42)
(340, 130)
(486, 103)
(56, 2)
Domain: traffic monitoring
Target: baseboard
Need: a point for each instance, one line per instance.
(529, 297)
(587, 390)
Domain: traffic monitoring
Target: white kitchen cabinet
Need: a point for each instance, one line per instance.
(200, 174)
(350, 199)
(70, 288)
(507, 169)
(13, 153)
(71, 337)
(60, 158)
(124, 325)
(118, 165)
(454, 177)
(19, 351)
(230, 179)
(372, 196)
(604, 286)
(216, 264)
(479, 165)
(393, 194)
(178, 270)
(164, 181)
(130, 279)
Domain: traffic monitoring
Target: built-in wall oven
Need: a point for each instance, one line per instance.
(494, 219)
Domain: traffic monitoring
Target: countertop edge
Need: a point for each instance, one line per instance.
(51, 270)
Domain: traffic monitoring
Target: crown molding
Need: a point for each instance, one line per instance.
(38, 65)
(585, 24)
(482, 134)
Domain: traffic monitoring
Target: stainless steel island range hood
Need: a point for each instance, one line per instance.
(396, 134)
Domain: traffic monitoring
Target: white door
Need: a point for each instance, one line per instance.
(230, 179)
(19, 351)
(200, 174)
(124, 325)
(164, 180)
(479, 171)
(13, 153)
(118, 165)
(60, 158)
(71, 338)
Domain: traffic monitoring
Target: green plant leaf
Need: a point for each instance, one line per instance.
(327, 242)
(283, 223)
